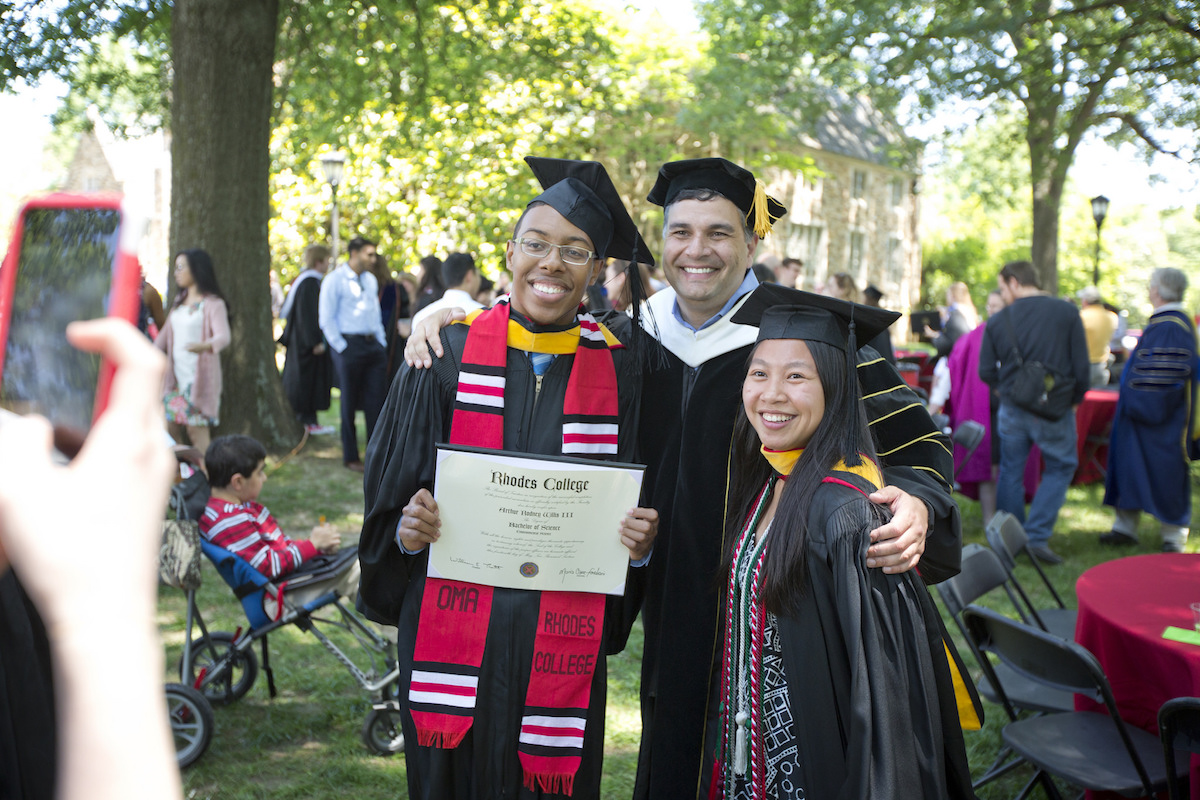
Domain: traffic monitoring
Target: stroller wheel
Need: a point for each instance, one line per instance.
(191, 722)
(381, 731)
(229, 673)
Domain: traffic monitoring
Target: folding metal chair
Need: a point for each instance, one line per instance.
(1008, 538)
(968, 435)
(980, 575)
(1179, 727)
(1088, 749)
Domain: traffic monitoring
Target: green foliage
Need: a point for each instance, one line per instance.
(1123, 69)
(434, 106)
(447, 175)
(127, 82)
(55, 36)
(976, 213)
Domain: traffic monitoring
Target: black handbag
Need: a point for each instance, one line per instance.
(1038, 389)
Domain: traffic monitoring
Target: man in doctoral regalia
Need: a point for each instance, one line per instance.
(1154, 431)
(534, 374)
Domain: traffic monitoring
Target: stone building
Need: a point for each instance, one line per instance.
(860, 214)
(140, 169)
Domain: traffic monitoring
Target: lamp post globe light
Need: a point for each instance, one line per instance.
(1099, 212)
(333, 165)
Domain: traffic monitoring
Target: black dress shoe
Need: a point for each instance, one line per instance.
(1118, 539)
(355, 466)
(1044, 554)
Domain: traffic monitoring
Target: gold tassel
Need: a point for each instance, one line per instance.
(759, 217)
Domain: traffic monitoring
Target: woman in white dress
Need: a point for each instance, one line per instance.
(195, 332)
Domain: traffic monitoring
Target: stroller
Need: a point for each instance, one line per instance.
(218, 667)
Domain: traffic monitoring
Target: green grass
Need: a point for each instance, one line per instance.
(306, 742)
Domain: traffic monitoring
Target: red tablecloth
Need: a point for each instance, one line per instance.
(1124, 606)
(1093, 420)
(924, 363)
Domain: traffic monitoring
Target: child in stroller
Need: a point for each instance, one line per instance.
(279, 582)
(234, 520)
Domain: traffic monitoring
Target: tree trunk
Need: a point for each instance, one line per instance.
(1048, 173)
(1044, 248)
(223, 52)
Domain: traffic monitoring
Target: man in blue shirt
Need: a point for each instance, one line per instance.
(353, 326)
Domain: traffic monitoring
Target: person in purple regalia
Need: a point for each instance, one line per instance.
(971, 399)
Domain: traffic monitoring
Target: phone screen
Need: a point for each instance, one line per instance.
(65, 271)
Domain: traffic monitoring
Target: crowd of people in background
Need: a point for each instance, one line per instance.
(956, 392)
(738, 390)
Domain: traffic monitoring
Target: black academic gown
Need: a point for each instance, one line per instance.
(882, 344)
(685, 439)
(871, 692)
(307, 377)
(27, 724)
(400, 460)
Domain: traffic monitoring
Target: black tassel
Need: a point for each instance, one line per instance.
(850, 447)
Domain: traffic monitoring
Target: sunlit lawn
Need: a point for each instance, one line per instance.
(306, 742)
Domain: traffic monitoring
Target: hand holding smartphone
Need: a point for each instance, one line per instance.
(72, 257)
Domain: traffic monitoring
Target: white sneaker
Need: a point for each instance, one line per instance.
(320, 430)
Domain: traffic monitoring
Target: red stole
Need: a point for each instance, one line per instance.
(454, 617)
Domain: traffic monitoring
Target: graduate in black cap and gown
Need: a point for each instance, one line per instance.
(836, 682)
(533, 374)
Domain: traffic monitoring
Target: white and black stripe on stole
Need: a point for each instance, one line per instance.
(442, 688)
(553, 732)
(587, 429)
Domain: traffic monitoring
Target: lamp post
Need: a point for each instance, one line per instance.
(333, 165)
(1099, 212)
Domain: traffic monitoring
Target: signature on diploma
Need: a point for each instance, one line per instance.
(580, 572)
(473, 564)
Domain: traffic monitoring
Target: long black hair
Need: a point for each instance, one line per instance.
(842, 435)
(204, 277)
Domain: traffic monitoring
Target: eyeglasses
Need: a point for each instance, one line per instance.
(569, 253)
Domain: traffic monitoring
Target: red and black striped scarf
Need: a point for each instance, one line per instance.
(454, 618)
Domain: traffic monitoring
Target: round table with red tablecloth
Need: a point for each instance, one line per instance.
(1124, 607)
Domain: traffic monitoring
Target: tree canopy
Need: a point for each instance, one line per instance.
(433, 105)
(1122, 68)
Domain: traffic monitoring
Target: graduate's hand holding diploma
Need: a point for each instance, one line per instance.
(638, 529)
(897, 546)
(420, 523)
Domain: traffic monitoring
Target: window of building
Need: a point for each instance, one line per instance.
(895, 260)
(859, 190)
(858, 246)
(807, 242)
(898, 191)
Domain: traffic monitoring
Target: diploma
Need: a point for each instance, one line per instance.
(532, 522)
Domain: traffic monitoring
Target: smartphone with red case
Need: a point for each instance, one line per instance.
(72, 257)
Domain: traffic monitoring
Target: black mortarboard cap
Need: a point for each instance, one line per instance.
(783, 313)
(719, 175)
(583, 193)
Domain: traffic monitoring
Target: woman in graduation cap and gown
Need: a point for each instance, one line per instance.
(479, 720)
(836, 681)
